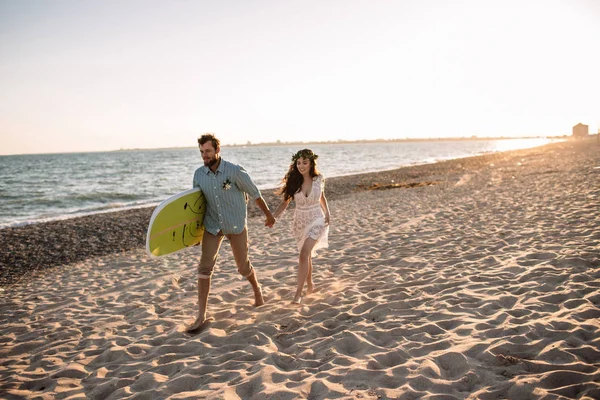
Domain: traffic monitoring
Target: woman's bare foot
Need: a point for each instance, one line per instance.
(309, 287)
(297, 300)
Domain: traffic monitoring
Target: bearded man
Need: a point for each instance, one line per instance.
(226, 187)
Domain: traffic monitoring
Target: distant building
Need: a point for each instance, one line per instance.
(580, 131)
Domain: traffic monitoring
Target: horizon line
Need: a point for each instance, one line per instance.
(282, 143)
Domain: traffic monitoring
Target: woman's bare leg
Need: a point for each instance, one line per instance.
(309, 282)
(303, 266)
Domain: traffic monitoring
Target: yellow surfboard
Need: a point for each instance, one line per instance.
(176, 223)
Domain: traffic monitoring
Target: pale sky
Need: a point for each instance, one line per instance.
(103, 75)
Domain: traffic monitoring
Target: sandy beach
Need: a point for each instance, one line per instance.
(476, 278)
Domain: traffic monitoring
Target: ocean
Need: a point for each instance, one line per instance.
(43, 187)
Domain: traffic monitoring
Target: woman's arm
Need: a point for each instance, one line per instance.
(325, 207)
(281, 208)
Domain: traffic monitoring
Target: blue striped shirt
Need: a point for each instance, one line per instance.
(224, 191)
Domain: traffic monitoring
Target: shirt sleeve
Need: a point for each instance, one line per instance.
(244, 182)
(194, 182)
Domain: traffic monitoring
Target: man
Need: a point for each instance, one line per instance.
(225, 187)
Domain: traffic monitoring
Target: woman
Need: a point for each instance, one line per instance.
(310, 226)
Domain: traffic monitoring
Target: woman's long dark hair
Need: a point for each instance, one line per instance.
(293, 179)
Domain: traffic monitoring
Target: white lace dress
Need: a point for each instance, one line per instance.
(309, 218)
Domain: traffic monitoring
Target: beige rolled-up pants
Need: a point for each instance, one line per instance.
(210, 252)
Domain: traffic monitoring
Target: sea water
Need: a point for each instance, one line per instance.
(43, 187)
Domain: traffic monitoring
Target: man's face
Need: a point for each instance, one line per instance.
(210, 155)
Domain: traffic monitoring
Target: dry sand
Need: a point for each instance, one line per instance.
(485, 285)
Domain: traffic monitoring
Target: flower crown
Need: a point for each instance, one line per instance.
(305, 153)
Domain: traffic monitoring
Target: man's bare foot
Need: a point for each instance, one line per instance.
(198, 324)
(258, 298)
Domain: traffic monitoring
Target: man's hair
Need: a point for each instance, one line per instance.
(209, 137)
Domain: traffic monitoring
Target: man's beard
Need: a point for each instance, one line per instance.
(211, 162)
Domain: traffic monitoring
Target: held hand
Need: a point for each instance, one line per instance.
(270, 221)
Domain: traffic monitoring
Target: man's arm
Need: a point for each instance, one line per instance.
(260, 202)
(245, 184)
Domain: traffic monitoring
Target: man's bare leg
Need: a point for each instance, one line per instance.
(203, 291)
(258, 297)
(239, 247)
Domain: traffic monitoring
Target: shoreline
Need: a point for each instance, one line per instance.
(145, 203)
(40, 246)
